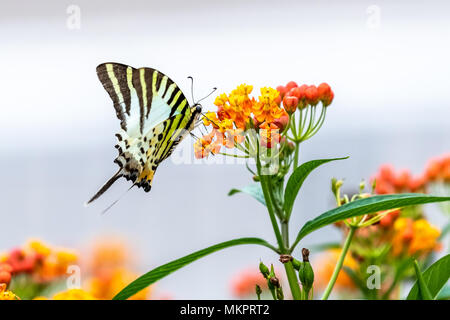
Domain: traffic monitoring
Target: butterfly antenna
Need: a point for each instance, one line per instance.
(214, 89)
(192, 89)
(204, 115)
(194, 136)
(105, 187)
(112, 204)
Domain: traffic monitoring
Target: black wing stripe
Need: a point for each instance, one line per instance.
(120, 73)
(139, 91)
(104, 77)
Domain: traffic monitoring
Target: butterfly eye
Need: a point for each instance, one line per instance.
(198, 108)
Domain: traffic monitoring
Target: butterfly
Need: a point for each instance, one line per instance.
(154, 117)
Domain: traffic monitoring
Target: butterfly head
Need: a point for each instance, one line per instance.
(198, 107)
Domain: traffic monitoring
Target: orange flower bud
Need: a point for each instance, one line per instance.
(383, 187)
(402, 179)
(291, 85)
(312, 95)
(5, 277)
(294, 92)
(326, 95)
(278, 100)
(282, 121)
(417, 183)
(433, 168)
(20, 262)
(282, 90)
(387, 173)
(290, 103)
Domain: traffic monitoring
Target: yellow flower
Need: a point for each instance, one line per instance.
(221, 100)
(39, 247)
(66, 257)
(425, 237)
(74, 294)
(268, 108)
(237, 106)
(414, 237)
(6, 294)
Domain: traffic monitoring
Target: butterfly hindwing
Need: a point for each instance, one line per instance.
(162, 139)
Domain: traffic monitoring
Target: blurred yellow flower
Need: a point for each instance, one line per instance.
(5, 294)
(414, 237)
(74, 294)
(38, 247)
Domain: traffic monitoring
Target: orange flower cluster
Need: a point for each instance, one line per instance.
(438, 169)
(238, 112)
(414, 237)
(300, 97)
(109, 266)
(390, 181)
(42, 262)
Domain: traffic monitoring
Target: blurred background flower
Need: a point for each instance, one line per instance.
(40, 271)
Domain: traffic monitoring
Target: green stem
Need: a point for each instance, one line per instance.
(339, 264)
(297, 150)
(293, 282)
(269, 204)
(285, 233)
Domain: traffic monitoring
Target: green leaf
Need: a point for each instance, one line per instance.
(296, 180)
(164, 270)
(365, 206)
(435, 278)
(254, 190)
(324, 246)
(444, 294)
(424, 292)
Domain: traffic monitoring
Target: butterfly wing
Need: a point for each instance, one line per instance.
(142, 97)
(154, 116)
(163, 139)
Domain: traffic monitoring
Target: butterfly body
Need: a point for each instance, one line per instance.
(154, 117)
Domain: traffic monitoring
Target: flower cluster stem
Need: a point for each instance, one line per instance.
(269, 205)
(339, 264)
(293, 282)
(296, 154)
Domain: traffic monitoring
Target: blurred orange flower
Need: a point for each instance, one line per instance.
(325, 266)
(109, 266)
(243, 284)
(438, 168)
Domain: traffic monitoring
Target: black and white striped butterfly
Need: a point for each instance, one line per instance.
(154, 117)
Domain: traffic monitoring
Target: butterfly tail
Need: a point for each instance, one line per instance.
(105, 187)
